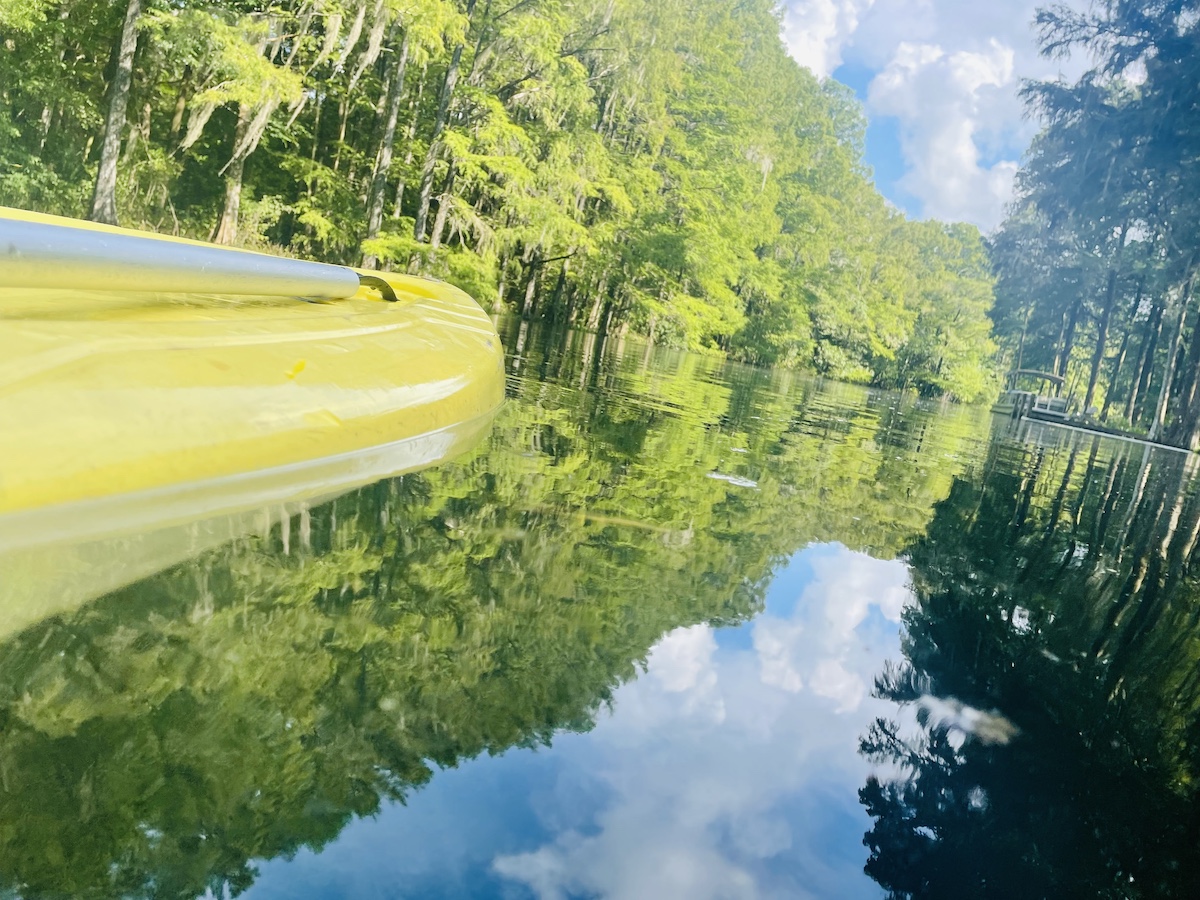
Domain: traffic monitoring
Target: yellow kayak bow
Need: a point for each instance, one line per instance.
(149, 381)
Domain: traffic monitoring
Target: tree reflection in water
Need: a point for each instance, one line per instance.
(252, 701)
(1059, 589)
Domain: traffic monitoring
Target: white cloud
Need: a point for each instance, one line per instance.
(815, 31)
(948, 73)
(944, 101)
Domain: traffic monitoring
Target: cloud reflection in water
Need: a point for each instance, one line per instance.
(730, 769)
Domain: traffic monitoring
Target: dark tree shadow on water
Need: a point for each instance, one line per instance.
(1048, 732)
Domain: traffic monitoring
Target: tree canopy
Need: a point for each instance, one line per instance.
(660, 165)
(1097, 261)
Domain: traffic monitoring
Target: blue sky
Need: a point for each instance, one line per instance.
(939, 82)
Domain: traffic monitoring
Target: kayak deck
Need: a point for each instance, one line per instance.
(116, 393)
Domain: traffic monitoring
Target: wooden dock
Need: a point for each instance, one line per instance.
(1027, 405)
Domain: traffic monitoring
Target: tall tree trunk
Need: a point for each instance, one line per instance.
(1110, 297)
(1164, 395)
(1068, 339)
(44, 123)
(344, 117)
(607, 315)
(425, 193)
(1145, 366)
(383, 159)
(104, 198)
(251, 124)
(444, 201)
(1186, 430)
(1021, 343)
(316, 134)
(557, 313)
(1058, 344)
(1187, 389)
(1191, 370)
(49, 113)
(1101, 339)
(181, 100)
(414, 108)
(1119, 362)
(529, 305)
(226, 230)
(593, 319)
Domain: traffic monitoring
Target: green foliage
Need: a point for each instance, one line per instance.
(22, 15)
(660, 166)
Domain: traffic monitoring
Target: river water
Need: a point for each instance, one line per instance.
(677, 628)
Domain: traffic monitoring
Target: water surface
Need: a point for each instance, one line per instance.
(676, 628)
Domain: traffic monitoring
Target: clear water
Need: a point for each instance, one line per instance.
(676, 629)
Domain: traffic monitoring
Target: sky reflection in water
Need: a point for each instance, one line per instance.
(728, 769)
